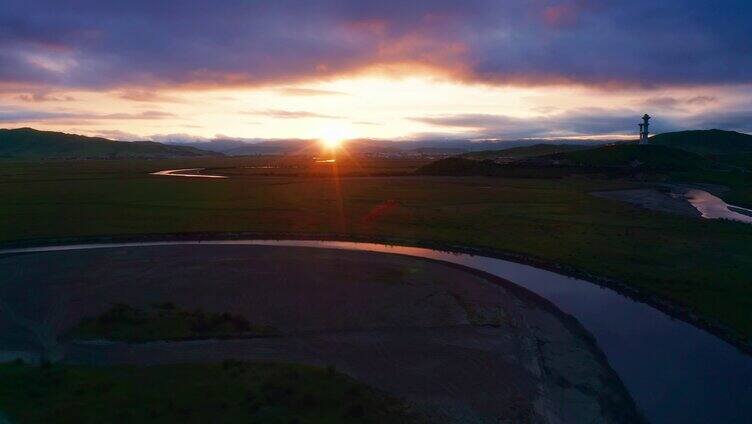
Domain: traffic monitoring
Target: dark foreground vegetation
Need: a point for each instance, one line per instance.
(212, 393)
(164, 322)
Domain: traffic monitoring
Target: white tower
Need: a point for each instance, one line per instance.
(644, 129)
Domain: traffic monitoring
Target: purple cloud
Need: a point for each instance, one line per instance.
(24, 115)
(91, 44)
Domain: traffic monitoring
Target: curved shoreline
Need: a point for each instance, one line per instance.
(544, 326)
(671, 309)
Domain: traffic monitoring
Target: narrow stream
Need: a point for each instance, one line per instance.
(676, 372)
(187, 172)
(713, 207)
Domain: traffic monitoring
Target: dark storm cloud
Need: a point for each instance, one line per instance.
(144, 43)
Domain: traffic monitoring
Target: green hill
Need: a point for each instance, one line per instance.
(630, 155)
(28, 143)
(705, 142)
(525, 151)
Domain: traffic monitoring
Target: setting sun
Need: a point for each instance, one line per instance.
(331, 143)
(332, 138)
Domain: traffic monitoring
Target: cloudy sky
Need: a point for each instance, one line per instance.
(392, 69)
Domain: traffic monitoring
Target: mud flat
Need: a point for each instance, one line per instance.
(462, 346)
(680, 200)
(653, 199)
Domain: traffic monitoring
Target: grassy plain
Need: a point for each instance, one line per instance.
(701, 264)
(212, 393)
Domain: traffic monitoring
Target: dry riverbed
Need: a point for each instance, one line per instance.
(654, 199)
(459, 345)
(681, 199)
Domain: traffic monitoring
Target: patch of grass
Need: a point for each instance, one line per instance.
(402, 275)
(164, 322)
(206, 393)
(492, 316)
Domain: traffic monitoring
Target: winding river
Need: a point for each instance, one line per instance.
(713, 207)
(187, 172)
(676, 372)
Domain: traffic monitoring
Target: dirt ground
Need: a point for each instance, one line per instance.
(653, 199)
(461, 346)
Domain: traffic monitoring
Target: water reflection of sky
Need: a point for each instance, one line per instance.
(713, 207)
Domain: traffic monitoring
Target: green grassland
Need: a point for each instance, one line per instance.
(701, 264)
(164, 322)
(212, 393)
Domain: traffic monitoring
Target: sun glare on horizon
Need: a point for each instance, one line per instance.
(333, 138)
(331, 143)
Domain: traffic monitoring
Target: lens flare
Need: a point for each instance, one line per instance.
(333, 138)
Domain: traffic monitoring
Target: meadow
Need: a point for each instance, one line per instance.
(701, 265)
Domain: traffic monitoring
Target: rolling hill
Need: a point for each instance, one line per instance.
(647, 157)
(458, 166)
(705, 142)
(28, 143)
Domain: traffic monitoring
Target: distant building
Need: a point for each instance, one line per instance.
(644, 129)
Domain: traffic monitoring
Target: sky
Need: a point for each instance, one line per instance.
(386, 69)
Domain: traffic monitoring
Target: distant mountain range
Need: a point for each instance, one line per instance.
(28, 143)
(427, 147)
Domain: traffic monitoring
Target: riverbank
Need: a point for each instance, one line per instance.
(666, 306)
(377, 317)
